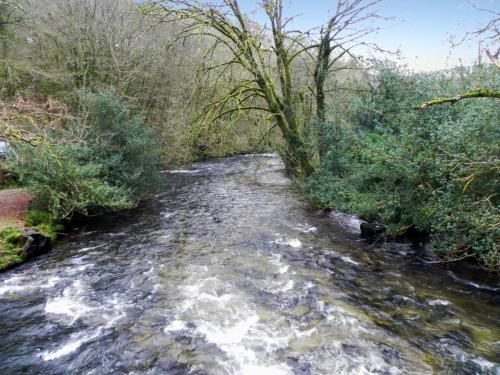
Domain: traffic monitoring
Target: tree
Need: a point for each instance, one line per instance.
(346, 29)
(95, 44)
(488, 36)
(268, 86)
(478, 93)
(10, 15)
(269, 57)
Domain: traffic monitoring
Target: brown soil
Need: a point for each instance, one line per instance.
(13, 206)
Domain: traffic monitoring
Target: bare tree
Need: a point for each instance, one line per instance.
(489, 37)
(10, 15)
(346, 30)
(269, 57)
(268, 85)
(488, 34)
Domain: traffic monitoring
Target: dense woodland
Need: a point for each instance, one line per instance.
(98, 96)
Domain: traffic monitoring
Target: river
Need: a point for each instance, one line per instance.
(228, 271)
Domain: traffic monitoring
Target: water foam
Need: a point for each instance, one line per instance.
(307, 229)
(438, 302)
(85, 249)
(295, 243)
(284, 286)
(349, 260)
(70, 304)
(186, 171)
(175, 325)
(276, 261)
(70, 347)
(17, 284)
(231, 323)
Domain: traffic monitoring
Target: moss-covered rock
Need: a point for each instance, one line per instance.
(44, 223)
(11, 248)
(18, 246)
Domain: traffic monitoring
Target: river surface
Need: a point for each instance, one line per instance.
(227, 271)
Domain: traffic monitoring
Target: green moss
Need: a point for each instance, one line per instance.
(10, 237)
(12, 240)
(43, 222)
(37, 217)
(11, 248)
(478, 93)
(49, 230)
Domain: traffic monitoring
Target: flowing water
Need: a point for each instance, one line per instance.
(228, 272)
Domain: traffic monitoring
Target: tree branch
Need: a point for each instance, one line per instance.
(478, 93)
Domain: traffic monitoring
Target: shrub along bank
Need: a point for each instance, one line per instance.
(434, 171)
(100, 159)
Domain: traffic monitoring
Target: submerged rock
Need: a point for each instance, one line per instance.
(371, 230)
(36, 244)
(390, 354)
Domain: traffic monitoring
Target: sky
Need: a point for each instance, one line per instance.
(421, 31)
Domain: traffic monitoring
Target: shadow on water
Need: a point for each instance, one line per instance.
(228, 272)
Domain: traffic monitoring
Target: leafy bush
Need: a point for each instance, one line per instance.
(43, 222)
(435, 171)
(104, 160)
(10, 237)
(10, 248)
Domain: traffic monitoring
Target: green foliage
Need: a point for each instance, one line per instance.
(10, 237)
(37, 217)
(435, 171)
(123, 145)
(43, 222)
(106, 161)
(10, 248)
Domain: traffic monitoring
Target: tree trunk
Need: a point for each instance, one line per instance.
(320, 74)
(296, 157)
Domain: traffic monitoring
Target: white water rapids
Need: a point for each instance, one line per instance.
(228, 272)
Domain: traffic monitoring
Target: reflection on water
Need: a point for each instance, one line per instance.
(228, 272)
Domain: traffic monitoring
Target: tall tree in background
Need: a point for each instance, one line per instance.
(268, 57)
(268, 85)
(10, 14)
(488, 36)
(346, 29)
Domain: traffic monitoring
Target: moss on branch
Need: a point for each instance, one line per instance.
(478, 93)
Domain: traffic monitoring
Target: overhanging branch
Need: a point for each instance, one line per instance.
(478, 93)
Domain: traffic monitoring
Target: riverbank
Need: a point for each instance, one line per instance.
(18, 243)
(13, 208)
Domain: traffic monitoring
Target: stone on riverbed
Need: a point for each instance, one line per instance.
(36, 243)
(372, 230)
